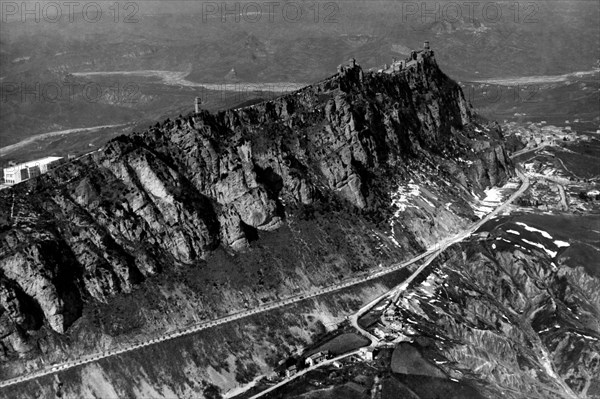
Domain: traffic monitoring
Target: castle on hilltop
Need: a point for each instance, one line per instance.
(415, 58)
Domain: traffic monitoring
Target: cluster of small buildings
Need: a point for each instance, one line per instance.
(535, 134)
(17, 173)
(413, 60)
(365, 354)
(309, 361)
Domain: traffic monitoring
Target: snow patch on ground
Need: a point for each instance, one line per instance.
(400, 200)
(493, 199)
(533, 229)
(513, 232)
(428, 202)
(537, 244)
(586, 336)
(401, 196)
(493, 195)
(561, 244)
(481, 211)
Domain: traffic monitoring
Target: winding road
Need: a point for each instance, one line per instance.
(526, 150)
(432, 253)
(11, 148)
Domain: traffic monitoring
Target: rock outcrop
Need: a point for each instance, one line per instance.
(168, 197)
(516, 321)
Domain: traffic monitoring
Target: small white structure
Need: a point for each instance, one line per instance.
(24, 171)
(366, 354)
(290, 371)
(378, 333)
(316, 358)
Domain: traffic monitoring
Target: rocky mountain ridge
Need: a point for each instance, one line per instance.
(166, 199)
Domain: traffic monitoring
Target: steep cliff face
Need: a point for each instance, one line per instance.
(164, 200)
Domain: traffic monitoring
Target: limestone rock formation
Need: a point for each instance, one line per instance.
(168, 197)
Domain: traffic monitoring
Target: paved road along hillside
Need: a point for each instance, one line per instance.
(274, 305)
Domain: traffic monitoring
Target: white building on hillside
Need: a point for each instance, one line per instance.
(24, 171)
(366, 354)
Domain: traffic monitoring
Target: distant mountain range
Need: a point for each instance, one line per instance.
(537, 39)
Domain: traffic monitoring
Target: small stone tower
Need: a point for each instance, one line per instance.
(340, 69)
(426, 45)
(352, 62)
(198, 102)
